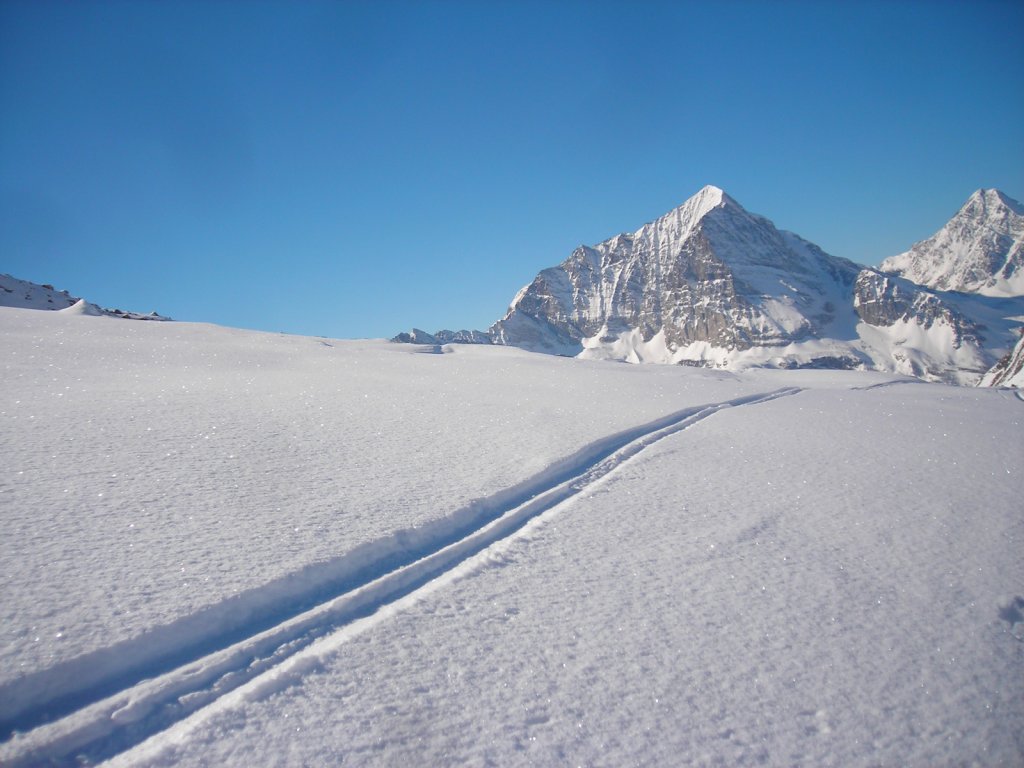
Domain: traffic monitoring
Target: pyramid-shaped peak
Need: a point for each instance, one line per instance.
(695, 208)
(979, 250)
(983, 201)
(710, 190)
(680, 222)
(710, 197)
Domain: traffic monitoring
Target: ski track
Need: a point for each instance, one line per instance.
(884, 384)
(104, 717)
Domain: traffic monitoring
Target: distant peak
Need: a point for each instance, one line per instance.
(680, 221)
(710, 190)
(984, 200)
(711, 196)
(708, 198)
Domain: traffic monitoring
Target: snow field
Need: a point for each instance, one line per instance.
(167, 484)
(815, 580)
(802, 567)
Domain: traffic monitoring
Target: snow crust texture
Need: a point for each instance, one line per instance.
(980, 250)
(186, 481)
(226, 548)
(804, 616)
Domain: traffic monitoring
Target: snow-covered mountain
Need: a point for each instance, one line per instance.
(23, 294)
(712, 284)
(979, 250)
(703, 282)
(419, 336)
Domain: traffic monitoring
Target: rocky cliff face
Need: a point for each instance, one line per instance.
(1009, 371)
(980, 250)
(884, 300)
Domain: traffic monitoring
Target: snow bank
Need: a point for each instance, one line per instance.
(83, 307)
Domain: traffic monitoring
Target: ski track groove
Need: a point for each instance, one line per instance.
(113, 723)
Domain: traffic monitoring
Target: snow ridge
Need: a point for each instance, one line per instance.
(23, 294)
(129, 697)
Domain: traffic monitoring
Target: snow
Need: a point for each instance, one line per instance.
(909, 348)
(228, 547)
(139, 444)
(680, 222)
(83, 307)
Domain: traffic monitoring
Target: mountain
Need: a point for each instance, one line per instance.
(24, 294)
(980, 250)
(418, 336)
(701, 284)
(712, 284)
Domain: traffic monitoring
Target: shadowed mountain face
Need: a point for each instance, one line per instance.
(1009, 371)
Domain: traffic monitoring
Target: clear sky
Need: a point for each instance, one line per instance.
(353, 169)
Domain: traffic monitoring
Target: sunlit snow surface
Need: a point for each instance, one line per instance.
(830, 576)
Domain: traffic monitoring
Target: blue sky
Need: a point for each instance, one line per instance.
(352, 169)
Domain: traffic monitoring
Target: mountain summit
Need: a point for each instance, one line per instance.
(980, 250)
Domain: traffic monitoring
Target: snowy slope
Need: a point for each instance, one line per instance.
(183, 480)
(226, 547)
(28, 295)
(24, 294)
(831, 578)
(979, 250)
